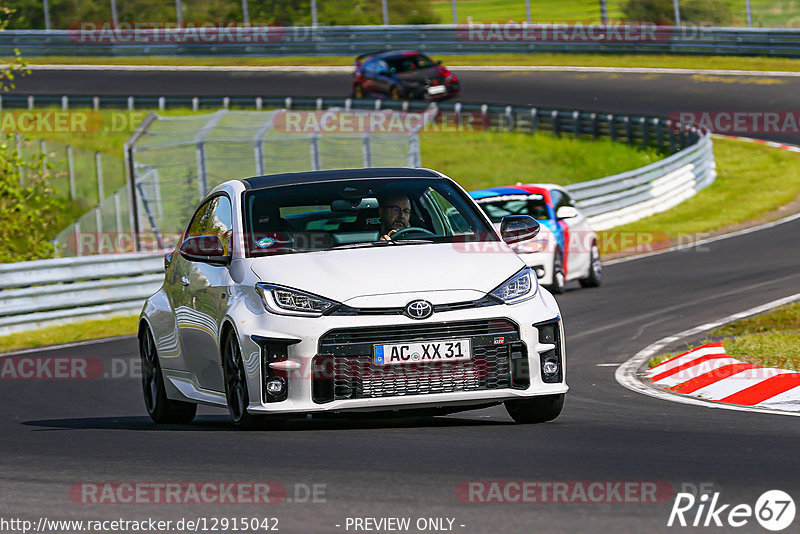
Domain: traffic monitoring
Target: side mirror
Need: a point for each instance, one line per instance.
(566, 212)
(204, 248)
(516, 228)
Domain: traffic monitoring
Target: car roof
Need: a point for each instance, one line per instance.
(391, 54)
(518, 189)
(296, 178)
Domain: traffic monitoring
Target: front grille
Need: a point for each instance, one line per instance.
(344, 367)
(417, 332)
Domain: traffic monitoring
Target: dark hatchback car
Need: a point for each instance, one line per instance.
(403, 74)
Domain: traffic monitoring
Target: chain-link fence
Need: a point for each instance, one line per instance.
(175, 161)
(81, 175)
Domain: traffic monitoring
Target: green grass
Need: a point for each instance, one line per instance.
(780, 319)
(753, 182)
(775, 13)
(541, 10)
(559, 60)
(484, 159)
(70, 333)
(771, 339)
(774, 349)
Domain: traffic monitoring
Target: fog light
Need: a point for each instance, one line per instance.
(276, 386)
(550, 368)
(539, 272)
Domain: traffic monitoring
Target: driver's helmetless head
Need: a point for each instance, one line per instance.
(395, 211)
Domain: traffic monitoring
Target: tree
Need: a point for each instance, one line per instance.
(29, 208)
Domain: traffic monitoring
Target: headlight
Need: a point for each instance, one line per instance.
(521, 286)
(283, 300)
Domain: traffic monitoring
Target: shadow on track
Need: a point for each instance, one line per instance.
(222, 423)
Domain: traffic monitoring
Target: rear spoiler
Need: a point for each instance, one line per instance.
(359, 59)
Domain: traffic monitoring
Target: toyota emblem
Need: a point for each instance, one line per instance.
(419, 309)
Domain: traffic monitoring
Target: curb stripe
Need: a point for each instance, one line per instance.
(712, 376)
(687, 365)
(764, 390)
(680, 358)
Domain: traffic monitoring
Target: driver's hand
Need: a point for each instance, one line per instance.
(388, 237)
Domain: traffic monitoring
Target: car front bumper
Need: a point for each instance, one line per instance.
(299, 339)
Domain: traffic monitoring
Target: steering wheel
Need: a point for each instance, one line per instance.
(409, 229)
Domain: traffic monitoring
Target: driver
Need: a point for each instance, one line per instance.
(394, 212)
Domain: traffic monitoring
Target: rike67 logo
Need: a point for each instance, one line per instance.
(774, 510)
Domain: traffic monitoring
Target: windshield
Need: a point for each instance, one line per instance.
(358, 213)
(498, 207)
(410, 63)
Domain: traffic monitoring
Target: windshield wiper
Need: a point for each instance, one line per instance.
(362, 244)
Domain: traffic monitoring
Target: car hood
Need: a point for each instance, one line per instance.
(441, 273)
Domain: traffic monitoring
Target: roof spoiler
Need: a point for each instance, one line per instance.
(359, 59)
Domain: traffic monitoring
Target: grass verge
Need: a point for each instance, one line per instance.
(558, 60)
(729, 203)
(484, 159)
(70, 333)
(771, 339)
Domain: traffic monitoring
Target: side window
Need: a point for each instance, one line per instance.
(215, 217)
(557, 197)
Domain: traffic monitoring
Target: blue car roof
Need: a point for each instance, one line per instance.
(497, 191)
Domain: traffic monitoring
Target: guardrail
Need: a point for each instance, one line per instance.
(46, 292)
(440, 39)
(35, 294)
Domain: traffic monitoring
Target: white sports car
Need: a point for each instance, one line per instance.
(371, 290)
(566, 247)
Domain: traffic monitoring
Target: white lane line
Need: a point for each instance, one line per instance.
(196, 68)
(321, 69)
(608, 364)
(694, 244)
(627, 373)
(67, 345)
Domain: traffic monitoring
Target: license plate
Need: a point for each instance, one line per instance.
(431, 351)
(436, 89)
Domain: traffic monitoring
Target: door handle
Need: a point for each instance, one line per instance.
(185, 281)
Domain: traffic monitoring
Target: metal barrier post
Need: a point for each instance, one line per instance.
(71, 170)
(576, 123)
(98, 170)
(367, 151)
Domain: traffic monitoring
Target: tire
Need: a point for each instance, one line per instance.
(559, 280)
(160, 409)
(595, 277)
(536, 409)
(394, 93)
(236, 392)
(358, 91)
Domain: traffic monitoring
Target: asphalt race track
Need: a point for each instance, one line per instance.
(658, 94)
(54, 433)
